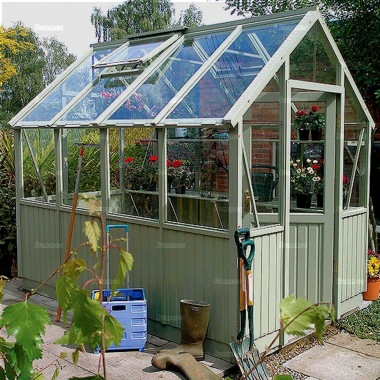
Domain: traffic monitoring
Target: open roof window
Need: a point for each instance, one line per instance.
(136, 52)
(165, 82)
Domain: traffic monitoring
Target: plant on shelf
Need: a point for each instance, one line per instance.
(180, 176)
(309, 121)
(303, 180)
(140, 174)
(373, 276)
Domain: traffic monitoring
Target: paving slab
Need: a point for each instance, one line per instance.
(351, 342)
(332, 362)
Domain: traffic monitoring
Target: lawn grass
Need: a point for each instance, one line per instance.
(364, 323)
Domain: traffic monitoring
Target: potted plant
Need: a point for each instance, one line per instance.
(141, 175)
(303, 181)
(180, 176)
(301, 122)
(317, 123)
(309, 121)
(373, 276)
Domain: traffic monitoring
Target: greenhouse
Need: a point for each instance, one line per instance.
(189, 134)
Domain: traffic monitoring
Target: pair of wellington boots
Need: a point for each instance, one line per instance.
(195, 316)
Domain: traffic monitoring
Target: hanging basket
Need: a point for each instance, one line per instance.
(373, 289)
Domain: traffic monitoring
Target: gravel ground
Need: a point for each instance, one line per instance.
(275, 362)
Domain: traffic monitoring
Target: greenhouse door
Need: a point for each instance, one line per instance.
(309, 257)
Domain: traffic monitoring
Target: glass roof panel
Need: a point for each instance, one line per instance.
(75, 82)
(131, 51)
(151, 97)
(217, 91)
(98, 99)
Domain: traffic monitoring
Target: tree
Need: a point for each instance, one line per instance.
(11, 44)
(249, 8)
(36, 67)
(57, 59)
(191, 16)
(139, 16)
(355, 25)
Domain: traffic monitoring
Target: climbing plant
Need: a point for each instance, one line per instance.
(91, 325)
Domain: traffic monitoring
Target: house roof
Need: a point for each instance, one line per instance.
(208, 75)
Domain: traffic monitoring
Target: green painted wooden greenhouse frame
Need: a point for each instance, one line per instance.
(318, 253)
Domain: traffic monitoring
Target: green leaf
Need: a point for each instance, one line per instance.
(63, 355)
(3, 281)
(56, 373)
(66, 291)
(125, 265)
(283, 377)
(75, 356)
(300, 315)
(114, 331)
(92, 231)
(74, 268)
(26, 322)
(86, 325)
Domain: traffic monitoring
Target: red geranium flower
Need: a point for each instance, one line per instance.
(128, 160)
(168, 163)
(300, 113)
(315, 108)
(315, 167)
(153, 158)
(346, 179)
(177, 163)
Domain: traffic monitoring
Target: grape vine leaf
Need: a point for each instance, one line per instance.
(27, 323)
(92, 231)
(125, 265)
(299, 315)
(3, 281)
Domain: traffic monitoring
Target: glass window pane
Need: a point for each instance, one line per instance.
(350, 175)
(67, 90)
(131, 51)
(151, 97)
(313, 59)
(99, 98)
(198, 182)
(90, 180)
(134, 172)
(39, 176)
(229, 77)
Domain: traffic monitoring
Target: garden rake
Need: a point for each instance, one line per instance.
(246, 354)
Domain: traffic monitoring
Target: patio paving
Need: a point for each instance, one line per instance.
(342, 357)
(131, 365)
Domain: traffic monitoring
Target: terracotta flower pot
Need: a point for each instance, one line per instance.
(373, 289)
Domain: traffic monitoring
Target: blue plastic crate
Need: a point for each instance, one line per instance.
(129, 307)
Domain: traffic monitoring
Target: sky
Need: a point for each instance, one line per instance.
(69, 21)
